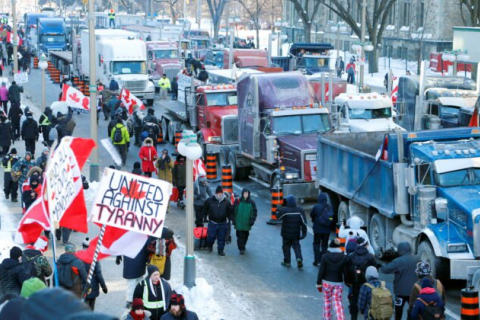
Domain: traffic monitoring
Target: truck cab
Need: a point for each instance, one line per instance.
(200, 41)
(310, 58)
(162, 58)
(51, 35)
(246, 58)
(364, 112)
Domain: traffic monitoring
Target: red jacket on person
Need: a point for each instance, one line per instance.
(148, 155)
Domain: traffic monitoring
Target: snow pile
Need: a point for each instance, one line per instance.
(7, 230)
(200, 299)
(91, 193)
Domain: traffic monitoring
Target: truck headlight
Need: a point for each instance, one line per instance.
(291, 175)
(457, 247)
(214, 139)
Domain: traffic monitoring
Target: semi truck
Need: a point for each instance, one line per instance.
(163, 58)
(309, 58)
(121, 56)
(278, 123)
(51, 35)
(420, 187)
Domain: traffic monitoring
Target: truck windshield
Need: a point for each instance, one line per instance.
(52, 39)
(166, 54)
(314, 62)
(450, 111)
(129, 67)
(311, 123)
(200, 44)
(357, 113)
(221, 99)
(464, 177)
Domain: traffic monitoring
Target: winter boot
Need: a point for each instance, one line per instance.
(285, 264)
(221, 253)
(299, 263)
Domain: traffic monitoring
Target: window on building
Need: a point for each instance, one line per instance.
(392, 17)
(421, 14)
(406, 14)
(330, 13)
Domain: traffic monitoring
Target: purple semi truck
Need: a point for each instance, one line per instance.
(278, 124)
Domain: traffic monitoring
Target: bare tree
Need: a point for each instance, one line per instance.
(254, 9)
(216, 8)
(376, 19)
(302, 8)
(473, 9)
(423, 32)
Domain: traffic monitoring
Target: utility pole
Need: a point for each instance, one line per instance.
(362, 55)
(94, 165)
(199, 13)
(14, 41)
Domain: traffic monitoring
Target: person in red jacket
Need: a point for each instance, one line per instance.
(148, 155)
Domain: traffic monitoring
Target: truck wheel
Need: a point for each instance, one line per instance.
(165, 129)
(376, 233)
(150, 102)
(426, 254)
(171, 133)
(223, 156)
(275, 181)
(343, 212)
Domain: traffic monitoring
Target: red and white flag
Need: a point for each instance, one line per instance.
(116, 242)
(10, 38)
(74, 98)
(198, 169)
(129, 100)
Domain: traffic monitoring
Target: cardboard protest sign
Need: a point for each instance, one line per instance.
(131, 202)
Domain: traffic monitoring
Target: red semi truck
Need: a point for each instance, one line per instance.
(163, 58)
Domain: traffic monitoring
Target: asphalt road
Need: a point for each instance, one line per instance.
(267, 289)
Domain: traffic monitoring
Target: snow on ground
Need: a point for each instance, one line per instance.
(7, 228)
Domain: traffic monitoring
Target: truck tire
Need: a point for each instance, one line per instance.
(376, 233)
(171, 133)
(164, 124)
(150, 102)
(237, 173)
(275, 181)
(223, 156)
(426, 254)
(343, 211)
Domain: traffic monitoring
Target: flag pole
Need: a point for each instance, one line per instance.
(94, 262)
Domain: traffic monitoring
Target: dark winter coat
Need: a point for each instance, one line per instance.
(319, 214)
(65, 126)
(14, 114)
(76, 264)
(438, 286)
(203, 76)
(135, 268)
(14, 92)
(179, 174)
(30, 129)
(428, 295)
(332, 267)
(145, 285)
(189, 316)
(6, 133)
(361, 257)
(12, 276)
(404, 269)
(245, 212)
(218, 211)
(97, 281)
(201, 192)
(42, 268)
(113, 85)
(174, 85)
(45, 123)
(150, 118)
(113, 104)
(293, 219)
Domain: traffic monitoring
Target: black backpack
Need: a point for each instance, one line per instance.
(65, 274)
(358, 269)
(117, 135)
(326, 217)
(29, 266)
(431, 311)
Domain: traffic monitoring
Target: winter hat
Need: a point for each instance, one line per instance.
(362, 242)
(151, 269)
(136, 165)
(31, 286)
(148, 140)
(13, 309)
(371, 272)
(13, 151)
(33, 179)
(427, 283)
(45, 149)
(137, 304)
(28, 153)
(335, 243)
(151, 111)
(15, 253)
(177, 300)
(70, 248)
(423, 269)
(219, 189)
(202, 178)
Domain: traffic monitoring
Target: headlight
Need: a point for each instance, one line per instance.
(215, 139)
(456, 247)
(291, 175)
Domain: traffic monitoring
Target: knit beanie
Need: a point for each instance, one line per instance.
(335, 243)
(371, 273)
(177, 300)
(426, 283)
(151, 111)
(151, 269)
(13, 151)
(137, 304)
(136, 165)
(423, 269)
(70, 247)
(15, 253)
(219, 189)
(31, 286)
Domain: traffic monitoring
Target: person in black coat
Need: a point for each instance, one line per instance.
(322, 218)
(178, 310)
(113, 85)
(154, 290)
(12, 274)
(6, 137)
(14, 115)
(30, 133)
(97, 282)
(10, 187)
(203, 75)
(219, 211)
(174, 86)
(294, 229)
(45, 123)
(14, 94)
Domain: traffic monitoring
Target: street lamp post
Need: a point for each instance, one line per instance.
(94, 165)
(189, 148)
(42, 64)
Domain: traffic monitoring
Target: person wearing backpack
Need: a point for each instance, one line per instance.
(375, 301)
(405, 277)
(10, 187)
(71, 271)
(428, 305)
(330, 280)
(35, 263)
(322, 218)
(120, 138)
(357, 264)
(424, 271)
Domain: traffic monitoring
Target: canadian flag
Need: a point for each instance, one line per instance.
(116, 242)
(74, 98)
(10, 37)
(198, 169)
(37, 219)
(394, 92)
(129, 100)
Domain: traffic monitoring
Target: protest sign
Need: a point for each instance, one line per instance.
(131, 202)
(21, 77)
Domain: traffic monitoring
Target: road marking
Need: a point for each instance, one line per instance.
(451, 314)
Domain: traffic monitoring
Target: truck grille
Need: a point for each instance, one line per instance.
(171, 73)
(476, 239)
(135, 85)
(230, 130)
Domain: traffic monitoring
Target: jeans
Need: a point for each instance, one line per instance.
(122, 149)
(64, 234)
(5, 106)
(217, 231)
(350, 78)
(112, 23)
(287, 245)
(242, 238)
(320, 239)
(30, 146)
(353, 302)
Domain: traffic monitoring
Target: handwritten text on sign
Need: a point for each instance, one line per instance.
(62, 174)
(132, 202)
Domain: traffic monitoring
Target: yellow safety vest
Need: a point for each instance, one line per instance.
(164, 83)
(8, 168)
(152, 304)
(111, 15)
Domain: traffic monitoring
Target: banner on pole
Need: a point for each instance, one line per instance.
(131, 202)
